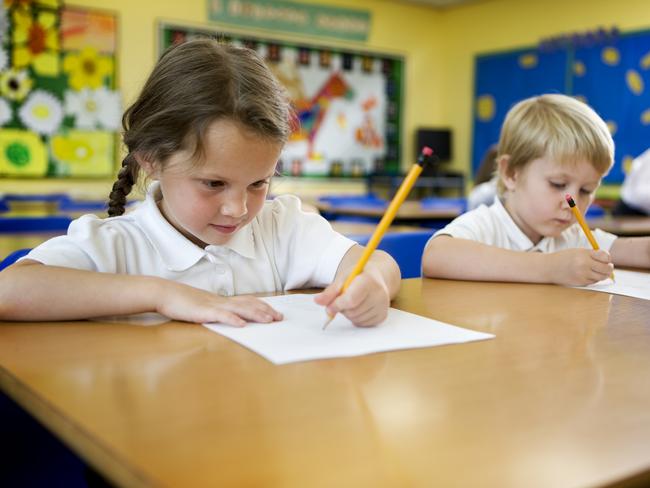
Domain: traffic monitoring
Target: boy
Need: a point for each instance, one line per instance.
(550, 146)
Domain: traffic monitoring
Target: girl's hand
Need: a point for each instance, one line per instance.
(365, 302)
(183, 302)
(580, 267)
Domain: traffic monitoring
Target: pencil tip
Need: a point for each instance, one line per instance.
(329, 319)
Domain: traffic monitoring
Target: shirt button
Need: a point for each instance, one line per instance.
(220, 269)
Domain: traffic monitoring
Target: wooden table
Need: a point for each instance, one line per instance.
(561, 397)
(623, 226)
(408, 211)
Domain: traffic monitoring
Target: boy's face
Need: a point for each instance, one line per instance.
(210, 202)
(535, 195)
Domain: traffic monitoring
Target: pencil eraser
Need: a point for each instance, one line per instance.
(569, 199)
(427, 151)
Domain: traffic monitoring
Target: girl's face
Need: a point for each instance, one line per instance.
(211, 201)
(535, 195)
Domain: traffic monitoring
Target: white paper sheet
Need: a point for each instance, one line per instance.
(299, 337)
(628, 283)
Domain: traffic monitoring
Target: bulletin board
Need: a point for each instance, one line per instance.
(59, 111)
(349, 103)
(613, 77)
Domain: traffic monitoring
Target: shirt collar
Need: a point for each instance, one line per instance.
(176, 251)
(520, 240)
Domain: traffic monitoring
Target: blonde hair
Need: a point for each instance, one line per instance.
(555, 126)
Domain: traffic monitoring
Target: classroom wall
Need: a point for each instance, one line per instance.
(396, 28)
(496, 25)
(439, 45)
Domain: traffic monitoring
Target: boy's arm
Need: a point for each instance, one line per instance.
(631, 251)
(462, 259)
(31, 291)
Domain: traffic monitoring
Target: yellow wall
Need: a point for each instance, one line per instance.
(439, 46)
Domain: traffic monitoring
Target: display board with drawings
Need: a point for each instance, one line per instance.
(610, 72)
(59, 111)
(348, 102)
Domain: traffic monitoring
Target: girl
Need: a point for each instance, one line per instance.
(550, 145)
(208, 129)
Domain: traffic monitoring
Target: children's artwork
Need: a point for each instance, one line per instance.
(300, 336)
(629, 283)
(59, 111)
(348, 103)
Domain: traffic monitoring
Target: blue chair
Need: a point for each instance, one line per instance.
(34, 223)
(595, 211)
(405, 247)
(13, 257)
(444, 202)
(369, 200)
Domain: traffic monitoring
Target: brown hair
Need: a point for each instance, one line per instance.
(556, 126)
(192, 85)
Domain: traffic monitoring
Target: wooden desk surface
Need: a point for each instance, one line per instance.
(623, 226)
(409, 210)
(560, 397)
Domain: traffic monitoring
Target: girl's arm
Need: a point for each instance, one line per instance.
(631, 251)
(368, 297)
(462, 259)
(31, 291)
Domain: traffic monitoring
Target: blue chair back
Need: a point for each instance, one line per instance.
(13, 257)
(405, 247)
(35, 223)
(595, 211)
(445, 202)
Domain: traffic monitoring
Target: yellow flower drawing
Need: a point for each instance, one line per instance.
(22, 153)
(15, 84)
(36, 42)
(87, 68)
(84, 153)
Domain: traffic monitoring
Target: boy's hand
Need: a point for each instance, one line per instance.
(365, 303)
(182, 302)
(580, 267)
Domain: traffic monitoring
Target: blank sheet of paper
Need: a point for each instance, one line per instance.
(300, 336)
(628, 283)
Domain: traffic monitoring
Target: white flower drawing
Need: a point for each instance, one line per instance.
(92, 109)
(42, 112)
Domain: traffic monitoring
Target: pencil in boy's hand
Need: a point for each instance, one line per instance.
(583, 225)
(426, 157)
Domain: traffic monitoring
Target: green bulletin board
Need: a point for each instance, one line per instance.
(349, 102)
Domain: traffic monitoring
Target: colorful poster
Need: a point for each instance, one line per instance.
(59, 111)
(348, 104)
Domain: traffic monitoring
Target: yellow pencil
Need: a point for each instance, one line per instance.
(583, 225)
(426, 157)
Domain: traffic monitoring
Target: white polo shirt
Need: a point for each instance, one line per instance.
(282, 248)
(493, 226)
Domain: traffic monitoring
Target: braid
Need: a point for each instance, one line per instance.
(122, 186)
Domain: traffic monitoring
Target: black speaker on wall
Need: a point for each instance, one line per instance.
(437, 139)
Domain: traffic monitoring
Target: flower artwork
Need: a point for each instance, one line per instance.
(59, 110)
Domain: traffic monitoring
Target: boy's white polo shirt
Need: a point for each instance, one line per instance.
(494, 226)
(282, 248)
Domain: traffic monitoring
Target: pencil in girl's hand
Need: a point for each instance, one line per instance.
(583, 225)
(426, 157)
